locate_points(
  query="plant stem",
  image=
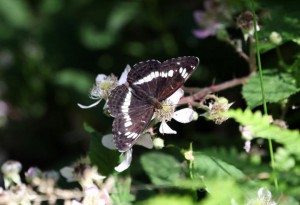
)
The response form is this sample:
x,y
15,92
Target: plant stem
x,y
263,92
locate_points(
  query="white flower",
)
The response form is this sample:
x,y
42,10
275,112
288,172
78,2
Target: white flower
x,y
143,140
93,196
165,114
247,135
103,87
82,172
11,170
126,162
264,196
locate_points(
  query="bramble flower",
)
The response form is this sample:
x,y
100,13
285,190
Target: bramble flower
x,y
246,23
216,108
264,197
11,170
126,161
93,195
33,176
82,172
209,20
103,87
168,112
247,135
143,140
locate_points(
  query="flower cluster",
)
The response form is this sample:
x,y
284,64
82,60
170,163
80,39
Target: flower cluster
x,y
210,20
216,108
42,187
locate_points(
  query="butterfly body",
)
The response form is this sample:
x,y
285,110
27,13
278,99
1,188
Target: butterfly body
x,y
149,83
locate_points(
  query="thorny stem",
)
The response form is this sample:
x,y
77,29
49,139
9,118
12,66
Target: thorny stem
x,y
199,93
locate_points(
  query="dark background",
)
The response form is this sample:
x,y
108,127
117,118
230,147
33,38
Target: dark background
x,y
52,50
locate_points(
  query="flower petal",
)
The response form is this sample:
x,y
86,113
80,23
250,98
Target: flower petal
x,y
175,97
89,106
145,140
123,77
247,146
126,162
184,115
203,33
107,141
165,129
100,78
68,173
199,16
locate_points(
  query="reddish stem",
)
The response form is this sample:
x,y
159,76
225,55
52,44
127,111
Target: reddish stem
x,y
199,93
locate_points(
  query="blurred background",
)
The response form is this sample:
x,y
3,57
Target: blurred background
x,y
52,50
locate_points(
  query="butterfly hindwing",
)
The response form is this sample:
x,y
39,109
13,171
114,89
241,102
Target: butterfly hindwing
x,y
132,115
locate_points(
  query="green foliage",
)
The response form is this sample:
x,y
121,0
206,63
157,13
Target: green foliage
x,y
104,158
164,171
208,166
278,86
168,199
77,80
15,13
121,194
260,126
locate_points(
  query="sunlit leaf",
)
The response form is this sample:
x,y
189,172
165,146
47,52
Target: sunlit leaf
x,y
278,86
162,169
260,126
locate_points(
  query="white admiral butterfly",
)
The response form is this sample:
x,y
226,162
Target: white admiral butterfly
x,y
148,84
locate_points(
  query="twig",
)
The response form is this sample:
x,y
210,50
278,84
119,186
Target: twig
x,y
199,93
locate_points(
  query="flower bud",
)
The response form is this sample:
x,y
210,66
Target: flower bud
x,y
158,143
275,38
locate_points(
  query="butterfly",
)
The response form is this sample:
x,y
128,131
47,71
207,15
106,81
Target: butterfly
x,y
148,84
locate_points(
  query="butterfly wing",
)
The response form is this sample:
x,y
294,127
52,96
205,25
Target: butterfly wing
x,y
132,116
173,74
143,77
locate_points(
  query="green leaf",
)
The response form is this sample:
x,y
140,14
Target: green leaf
x,y
162,169
121,194
259,125
287,25
223,191
168,199
16,13
278,86
104,158
72,78
208,166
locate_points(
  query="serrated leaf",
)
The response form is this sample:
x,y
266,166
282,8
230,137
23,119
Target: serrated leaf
x,y
208,166
105,159
162,169
259,125
287,25
278,86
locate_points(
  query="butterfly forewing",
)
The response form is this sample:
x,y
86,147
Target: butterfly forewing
x,y
174,73
143,77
